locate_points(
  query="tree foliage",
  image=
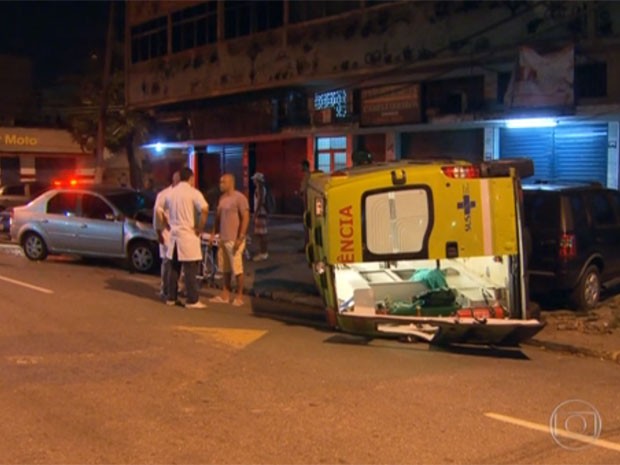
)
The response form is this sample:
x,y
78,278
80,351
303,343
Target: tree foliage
x,y
124,128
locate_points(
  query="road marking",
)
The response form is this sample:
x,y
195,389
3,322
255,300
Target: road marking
x,y
559,432
26,285
236,338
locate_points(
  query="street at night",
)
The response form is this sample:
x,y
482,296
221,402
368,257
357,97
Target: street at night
x,y
97,370
309,232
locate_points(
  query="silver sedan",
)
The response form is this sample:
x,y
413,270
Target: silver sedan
x,y
96,222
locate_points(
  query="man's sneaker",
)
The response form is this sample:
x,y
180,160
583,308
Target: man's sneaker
x,y
261,257
198,304
171,303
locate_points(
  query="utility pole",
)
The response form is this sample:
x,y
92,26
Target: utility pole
x,y
103,105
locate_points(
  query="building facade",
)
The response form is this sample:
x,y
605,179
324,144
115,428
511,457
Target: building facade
x,y
46,155
243,86
29,149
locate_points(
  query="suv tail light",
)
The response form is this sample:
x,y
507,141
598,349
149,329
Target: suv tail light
x,y
461,172
568,246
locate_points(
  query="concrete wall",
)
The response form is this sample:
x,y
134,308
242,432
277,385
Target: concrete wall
x,y
16,89
416,40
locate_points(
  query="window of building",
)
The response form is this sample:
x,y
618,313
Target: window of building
x,y
336,99
149,40
370,3
503,81
63,203
331,153
301,10
194,26
246,17
591,80
456,96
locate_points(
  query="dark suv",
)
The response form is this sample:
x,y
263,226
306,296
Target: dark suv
x,y
574,237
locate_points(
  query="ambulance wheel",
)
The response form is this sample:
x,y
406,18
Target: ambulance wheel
x,y
142,257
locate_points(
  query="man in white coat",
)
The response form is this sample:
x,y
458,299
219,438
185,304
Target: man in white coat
x,y
163,234
187,217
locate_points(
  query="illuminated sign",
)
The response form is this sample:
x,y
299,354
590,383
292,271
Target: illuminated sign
x,y
19,141
336,99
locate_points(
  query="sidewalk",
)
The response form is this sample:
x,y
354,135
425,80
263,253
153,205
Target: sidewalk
x,y
286,277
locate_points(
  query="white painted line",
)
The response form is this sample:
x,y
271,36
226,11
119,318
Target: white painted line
x,y
26,285
559,432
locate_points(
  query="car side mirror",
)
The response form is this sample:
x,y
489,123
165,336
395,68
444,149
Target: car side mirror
x,y
110,217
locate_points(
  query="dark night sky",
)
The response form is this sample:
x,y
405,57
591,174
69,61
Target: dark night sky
x,y
57,35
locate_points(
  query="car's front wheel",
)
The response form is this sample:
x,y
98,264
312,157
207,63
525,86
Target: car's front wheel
x,y
587,294
142,257
34,246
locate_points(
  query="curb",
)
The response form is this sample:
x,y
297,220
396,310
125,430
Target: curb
x,y
303,308
574,350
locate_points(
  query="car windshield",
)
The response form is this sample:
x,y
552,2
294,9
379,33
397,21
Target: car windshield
x,y
130,203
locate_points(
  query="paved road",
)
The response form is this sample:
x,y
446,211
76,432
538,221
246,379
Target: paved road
x,y
96,370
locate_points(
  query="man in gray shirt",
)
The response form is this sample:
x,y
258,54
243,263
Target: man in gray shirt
x,y
231,222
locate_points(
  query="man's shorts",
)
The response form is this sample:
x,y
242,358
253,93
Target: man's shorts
x,y
260,225
229,261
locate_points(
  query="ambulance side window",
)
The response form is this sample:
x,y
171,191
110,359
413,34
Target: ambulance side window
x,y
397,222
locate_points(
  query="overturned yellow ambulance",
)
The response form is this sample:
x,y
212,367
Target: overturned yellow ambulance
x,y
426,250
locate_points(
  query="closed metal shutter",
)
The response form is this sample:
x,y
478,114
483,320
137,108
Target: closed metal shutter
x,y
534,143
233,163
581,153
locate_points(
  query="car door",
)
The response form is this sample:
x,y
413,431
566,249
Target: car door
x,y
615,201
606,229
60,222
100,231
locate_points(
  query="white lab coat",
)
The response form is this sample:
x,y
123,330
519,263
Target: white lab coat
x,y
159,209
183,204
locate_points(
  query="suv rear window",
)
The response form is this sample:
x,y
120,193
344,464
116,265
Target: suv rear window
x,y
602,210
542,210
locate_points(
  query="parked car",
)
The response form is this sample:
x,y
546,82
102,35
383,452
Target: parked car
x,y
575,240
5,222
13,195
98,222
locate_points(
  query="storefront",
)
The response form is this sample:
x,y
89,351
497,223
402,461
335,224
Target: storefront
x,y
562,152
42,155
